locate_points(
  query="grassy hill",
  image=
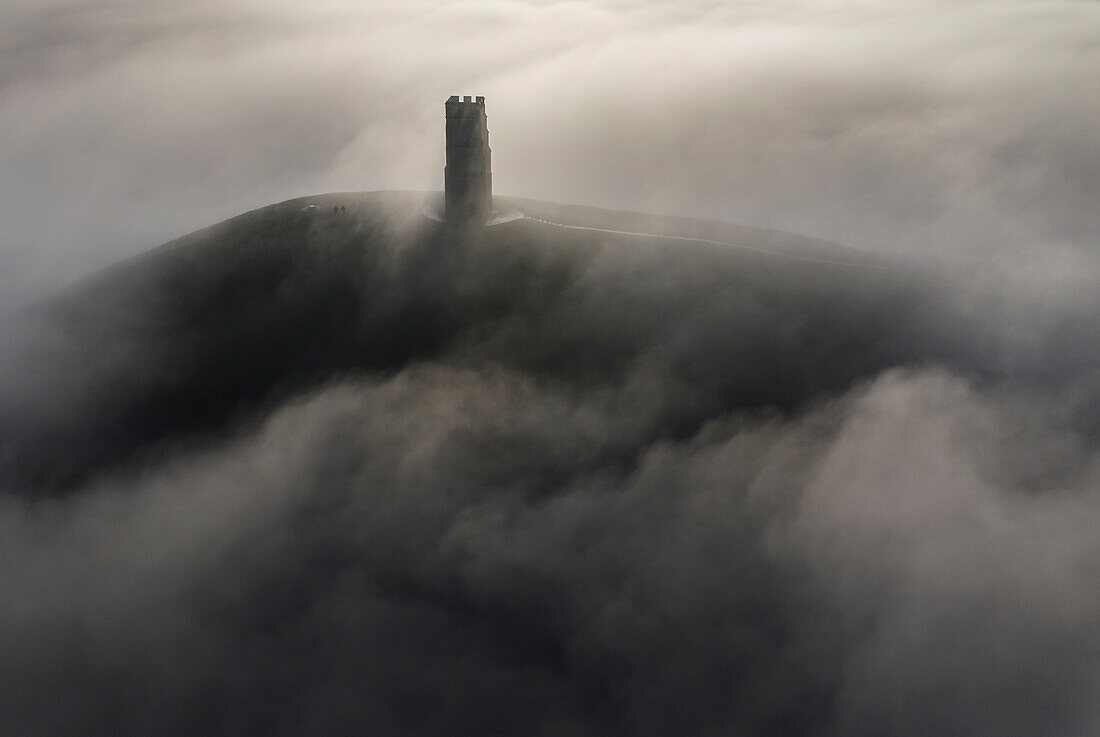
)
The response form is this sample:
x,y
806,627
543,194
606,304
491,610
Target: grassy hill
x,y
204,333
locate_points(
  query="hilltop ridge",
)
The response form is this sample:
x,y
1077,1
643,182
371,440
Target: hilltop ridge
x,y
204,332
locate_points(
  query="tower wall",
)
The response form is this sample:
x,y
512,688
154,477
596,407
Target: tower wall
x,y
469,174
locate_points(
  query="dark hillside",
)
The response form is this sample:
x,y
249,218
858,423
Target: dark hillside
x,y
205,331
317,472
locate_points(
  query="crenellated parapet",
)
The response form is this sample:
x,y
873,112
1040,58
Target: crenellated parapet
x,y
457,103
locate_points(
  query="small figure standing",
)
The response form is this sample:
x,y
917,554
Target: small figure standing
x,y
343,209
335,209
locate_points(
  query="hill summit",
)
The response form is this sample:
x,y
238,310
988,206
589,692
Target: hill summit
x,y
206,331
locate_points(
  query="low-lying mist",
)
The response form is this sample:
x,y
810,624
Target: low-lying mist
x,y
318,474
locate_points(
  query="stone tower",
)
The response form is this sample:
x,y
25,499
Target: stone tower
x,y
469,172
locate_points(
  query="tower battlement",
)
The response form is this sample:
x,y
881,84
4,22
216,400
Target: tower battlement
x,y
455,100
468,175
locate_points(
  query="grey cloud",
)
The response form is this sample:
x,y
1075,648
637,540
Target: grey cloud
x,y
295,477
385,553
536,483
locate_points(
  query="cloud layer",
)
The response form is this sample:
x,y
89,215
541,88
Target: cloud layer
x,y
324,474
454,550
321,476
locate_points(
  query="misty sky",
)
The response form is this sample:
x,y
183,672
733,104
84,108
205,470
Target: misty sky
x,y
969,130
320,473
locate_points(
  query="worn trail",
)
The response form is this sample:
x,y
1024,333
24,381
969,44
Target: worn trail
x,y
757,249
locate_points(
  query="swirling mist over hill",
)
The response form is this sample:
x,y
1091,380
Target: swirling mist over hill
x,y
316,473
